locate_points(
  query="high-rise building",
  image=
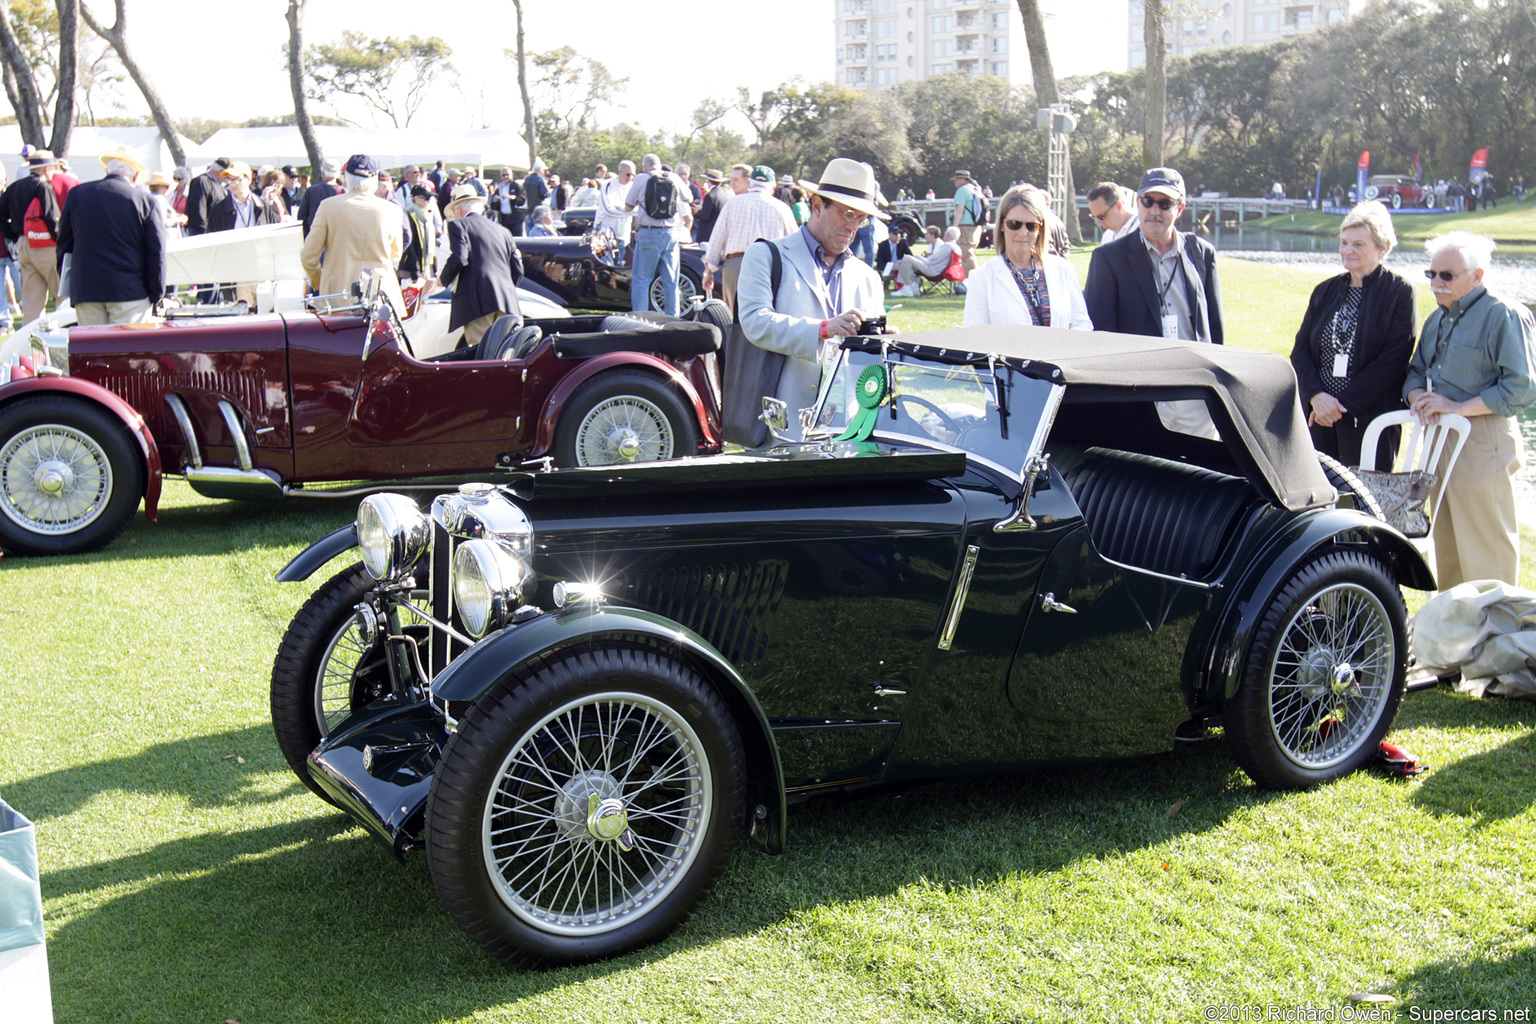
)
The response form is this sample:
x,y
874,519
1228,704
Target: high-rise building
x,y
881,42
1194,26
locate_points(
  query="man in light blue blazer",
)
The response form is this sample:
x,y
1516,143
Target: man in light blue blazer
x,y
824,293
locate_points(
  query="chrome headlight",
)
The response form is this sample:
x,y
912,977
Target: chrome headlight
x,y
393,534
490,581
480,510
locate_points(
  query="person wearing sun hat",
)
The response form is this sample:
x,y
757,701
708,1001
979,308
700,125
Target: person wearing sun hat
x,y
113,236
483,264
824,294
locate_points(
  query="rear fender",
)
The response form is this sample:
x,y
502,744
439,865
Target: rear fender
x,y
497,659
93,392
1343,528
549,416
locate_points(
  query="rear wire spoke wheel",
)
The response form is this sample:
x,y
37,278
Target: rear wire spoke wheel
x,y
584,811
1324,676
324,670
622,416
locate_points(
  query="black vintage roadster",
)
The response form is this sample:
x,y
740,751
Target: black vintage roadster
x,y
575,689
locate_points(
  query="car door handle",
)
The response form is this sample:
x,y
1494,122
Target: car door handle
x,y
1050,604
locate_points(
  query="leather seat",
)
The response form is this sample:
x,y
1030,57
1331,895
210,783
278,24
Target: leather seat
x,y
496,335
1168,517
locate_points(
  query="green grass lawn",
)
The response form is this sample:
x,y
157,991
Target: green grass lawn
x,y
1509,222
189,878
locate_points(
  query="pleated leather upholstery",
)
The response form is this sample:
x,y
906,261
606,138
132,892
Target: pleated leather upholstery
x,y
1148,512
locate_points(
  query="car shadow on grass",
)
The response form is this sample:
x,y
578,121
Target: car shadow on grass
x,y
1494,982
224,527
215,770
1488,787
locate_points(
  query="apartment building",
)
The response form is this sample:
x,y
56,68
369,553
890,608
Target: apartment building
x,y
881,42
1193,25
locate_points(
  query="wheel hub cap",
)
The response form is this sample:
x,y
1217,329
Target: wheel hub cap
x,y
1319,673
1343,679
53,477
627,444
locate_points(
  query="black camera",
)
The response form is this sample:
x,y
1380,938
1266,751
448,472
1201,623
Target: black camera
x,y
873,325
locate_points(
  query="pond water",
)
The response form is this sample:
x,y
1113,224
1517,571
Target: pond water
x,y
1513,273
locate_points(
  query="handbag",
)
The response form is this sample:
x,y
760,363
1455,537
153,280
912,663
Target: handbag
x,y
747,374
1401,497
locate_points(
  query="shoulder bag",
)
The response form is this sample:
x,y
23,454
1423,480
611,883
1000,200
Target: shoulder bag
x,y
748,373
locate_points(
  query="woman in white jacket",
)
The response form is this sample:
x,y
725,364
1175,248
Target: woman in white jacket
x,y
1024,284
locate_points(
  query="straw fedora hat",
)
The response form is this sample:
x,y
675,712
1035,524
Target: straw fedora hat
x,y
139,171
848,182
463,194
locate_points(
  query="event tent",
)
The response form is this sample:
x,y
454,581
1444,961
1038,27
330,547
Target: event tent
x,y
86,144
391,147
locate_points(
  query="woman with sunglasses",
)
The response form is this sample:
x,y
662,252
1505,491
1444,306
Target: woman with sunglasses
x,y
1351,353
1025,284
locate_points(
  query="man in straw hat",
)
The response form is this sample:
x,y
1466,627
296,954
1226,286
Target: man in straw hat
x,y
114,237
824,293
354,232
483,259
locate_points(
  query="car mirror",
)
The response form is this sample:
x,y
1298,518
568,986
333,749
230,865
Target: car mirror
x,y
776,414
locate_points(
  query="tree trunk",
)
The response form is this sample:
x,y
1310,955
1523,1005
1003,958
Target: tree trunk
x,y
20,86
117,35
1157,87
69,74
296,85
522,85
1047,95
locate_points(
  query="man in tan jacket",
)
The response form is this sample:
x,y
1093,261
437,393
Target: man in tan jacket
x,y
354,232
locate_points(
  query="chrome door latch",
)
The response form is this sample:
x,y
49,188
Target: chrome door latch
x,y
1050,604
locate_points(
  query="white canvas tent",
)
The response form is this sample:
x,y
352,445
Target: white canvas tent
x,y
391,147
87,144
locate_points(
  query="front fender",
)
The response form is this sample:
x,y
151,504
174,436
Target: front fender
x,y
91,391
1279,558
549,416
494,660
317,554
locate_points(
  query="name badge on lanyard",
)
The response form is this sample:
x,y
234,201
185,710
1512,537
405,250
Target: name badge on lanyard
x,y
1171,326
1341,365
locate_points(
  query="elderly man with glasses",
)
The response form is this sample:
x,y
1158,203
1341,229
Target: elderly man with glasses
x,y
1159,282
1475,357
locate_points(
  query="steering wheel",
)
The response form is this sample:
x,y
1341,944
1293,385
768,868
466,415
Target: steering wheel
x,y
956,429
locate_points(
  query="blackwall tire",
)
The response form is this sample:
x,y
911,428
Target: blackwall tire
x,y
585,809
71,476
323,670
623,416
1324,674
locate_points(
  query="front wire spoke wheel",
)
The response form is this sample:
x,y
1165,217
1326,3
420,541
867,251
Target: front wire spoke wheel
x,y
586,805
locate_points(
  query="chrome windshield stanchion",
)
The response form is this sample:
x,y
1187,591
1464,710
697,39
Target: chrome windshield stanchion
x,y
1021,519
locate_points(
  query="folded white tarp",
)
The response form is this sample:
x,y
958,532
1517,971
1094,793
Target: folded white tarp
x,y
25,997
1484,629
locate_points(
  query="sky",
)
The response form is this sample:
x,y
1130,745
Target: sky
x,y
223,77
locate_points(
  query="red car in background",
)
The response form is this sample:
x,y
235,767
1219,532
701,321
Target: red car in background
x,y
1398,190
330,401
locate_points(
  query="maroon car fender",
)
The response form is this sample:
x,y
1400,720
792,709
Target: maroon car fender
x,y
555,403
122,410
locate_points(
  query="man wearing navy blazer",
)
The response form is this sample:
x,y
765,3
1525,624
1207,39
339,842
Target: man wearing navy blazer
x,y
115,240
1159,282
824,293
483,259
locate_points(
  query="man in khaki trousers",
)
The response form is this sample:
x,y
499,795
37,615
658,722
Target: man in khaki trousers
x,y
38,227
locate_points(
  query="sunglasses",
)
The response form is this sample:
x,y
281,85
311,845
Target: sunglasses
x,y
1147,202
1445,275
1101,216
1015,225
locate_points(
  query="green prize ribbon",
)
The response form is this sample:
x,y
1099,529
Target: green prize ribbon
x,y
872,392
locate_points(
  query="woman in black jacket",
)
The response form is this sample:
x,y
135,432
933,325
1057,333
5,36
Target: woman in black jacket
x,y
1351,353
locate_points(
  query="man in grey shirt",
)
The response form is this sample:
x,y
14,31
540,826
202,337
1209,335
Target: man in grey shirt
x,y
656,234
1475,357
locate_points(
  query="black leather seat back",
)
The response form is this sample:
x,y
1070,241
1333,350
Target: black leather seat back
x,y
1168,517
496,335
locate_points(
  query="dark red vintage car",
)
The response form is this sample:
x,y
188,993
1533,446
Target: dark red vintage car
x,y
330,401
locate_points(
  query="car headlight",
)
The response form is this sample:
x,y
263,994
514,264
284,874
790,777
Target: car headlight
x,y
393,534
490,580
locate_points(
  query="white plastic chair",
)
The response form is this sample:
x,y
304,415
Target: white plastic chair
x,y
1421,448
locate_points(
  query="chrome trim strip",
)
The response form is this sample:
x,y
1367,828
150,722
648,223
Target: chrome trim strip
x,y
194,454
237,434
962,588
1157,575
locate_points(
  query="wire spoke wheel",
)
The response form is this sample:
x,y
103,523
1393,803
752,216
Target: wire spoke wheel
x,y
1332,672
597,813
56,479
626,428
